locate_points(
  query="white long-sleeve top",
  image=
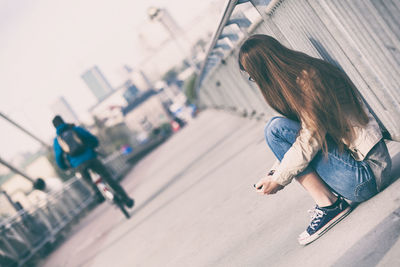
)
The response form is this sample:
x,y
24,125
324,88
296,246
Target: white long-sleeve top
x,y
303,150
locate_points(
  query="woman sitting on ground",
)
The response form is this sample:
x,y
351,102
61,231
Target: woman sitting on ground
x,y
327,140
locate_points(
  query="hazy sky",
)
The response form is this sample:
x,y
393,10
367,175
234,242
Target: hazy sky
x,y
47,44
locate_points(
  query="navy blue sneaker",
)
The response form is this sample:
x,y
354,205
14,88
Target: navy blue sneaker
x,y
323,219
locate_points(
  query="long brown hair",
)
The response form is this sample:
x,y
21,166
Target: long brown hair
x,y
302,88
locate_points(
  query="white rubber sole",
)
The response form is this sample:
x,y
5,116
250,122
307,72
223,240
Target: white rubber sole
x,y
305,238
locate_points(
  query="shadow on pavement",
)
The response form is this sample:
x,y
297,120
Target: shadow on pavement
x,y
372,247
395,167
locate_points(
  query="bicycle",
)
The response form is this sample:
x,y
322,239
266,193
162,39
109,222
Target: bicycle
x,y
109,194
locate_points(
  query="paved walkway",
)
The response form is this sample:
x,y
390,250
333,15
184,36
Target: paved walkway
x,y
196,207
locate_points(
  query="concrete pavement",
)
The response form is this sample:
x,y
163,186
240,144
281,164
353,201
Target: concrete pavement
x,y
195,206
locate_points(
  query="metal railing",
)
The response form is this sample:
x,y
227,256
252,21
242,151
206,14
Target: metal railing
x,y
28,231
362,37
117,164
25,233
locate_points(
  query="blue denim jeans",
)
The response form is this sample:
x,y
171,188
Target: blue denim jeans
x,y
344,175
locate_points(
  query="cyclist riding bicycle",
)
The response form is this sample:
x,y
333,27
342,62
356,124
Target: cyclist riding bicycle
x,y
74,147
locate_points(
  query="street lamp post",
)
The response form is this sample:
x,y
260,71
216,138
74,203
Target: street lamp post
x,y
14,169
25,131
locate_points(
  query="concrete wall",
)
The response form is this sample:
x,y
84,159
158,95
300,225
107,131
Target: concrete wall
x,y
360,36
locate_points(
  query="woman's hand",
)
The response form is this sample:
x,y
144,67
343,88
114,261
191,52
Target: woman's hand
x,y
267,187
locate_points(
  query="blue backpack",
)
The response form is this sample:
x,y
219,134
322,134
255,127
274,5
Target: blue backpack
x,y
71,143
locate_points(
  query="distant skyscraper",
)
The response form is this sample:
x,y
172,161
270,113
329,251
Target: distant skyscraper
x,y
62,108
97,83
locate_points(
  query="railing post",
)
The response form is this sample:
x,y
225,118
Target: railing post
x,y
265,8
9,247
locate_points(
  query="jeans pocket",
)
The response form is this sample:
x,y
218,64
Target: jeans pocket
x,y
366,190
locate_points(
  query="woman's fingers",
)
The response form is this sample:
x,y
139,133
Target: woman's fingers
x,y
258,185
266,187
261,186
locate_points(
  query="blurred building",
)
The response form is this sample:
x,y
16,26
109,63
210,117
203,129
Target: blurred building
x,y
61,107
146,113
136,77
131,91
109,108
97,83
